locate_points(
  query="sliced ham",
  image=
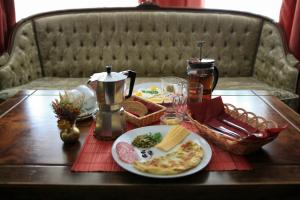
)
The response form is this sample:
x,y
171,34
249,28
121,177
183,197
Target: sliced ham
x,y
126,152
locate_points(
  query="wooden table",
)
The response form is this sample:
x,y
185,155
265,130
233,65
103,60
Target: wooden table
x,y
34,163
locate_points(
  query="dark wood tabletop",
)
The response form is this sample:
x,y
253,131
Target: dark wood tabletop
x,y
35,163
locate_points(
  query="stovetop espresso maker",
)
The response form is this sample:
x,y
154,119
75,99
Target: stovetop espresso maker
x,y
110,91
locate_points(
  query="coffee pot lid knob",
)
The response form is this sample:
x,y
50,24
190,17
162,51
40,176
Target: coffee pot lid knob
x,y
108,68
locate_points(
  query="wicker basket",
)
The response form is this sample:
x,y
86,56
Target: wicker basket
x,y
154,114
238,146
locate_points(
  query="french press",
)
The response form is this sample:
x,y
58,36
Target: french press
x,y
201,71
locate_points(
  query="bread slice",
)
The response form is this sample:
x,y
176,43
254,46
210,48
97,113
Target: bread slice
x,y
135,107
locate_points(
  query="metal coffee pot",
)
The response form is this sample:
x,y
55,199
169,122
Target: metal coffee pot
x,y
110,91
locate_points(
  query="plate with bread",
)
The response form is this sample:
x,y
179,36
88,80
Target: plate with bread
x,y
161,151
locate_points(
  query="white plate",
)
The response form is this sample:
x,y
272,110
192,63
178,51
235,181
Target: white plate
x,y
87,113
147,86
163,129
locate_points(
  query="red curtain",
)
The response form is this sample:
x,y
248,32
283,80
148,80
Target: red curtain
x,y
290,21
7,21
176,3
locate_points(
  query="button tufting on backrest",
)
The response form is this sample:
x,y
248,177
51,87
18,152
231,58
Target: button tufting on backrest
x,y
231,30
179,29
225,43
74,29
60,29
47,29
193,28
21,47
272,46
144,40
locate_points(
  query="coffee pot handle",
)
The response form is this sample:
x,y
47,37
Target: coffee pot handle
x,y
130,74
216,77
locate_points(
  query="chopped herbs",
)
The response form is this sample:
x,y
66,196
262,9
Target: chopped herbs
x,y
147,140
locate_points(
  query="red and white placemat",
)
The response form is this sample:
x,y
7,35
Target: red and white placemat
x,y
95,155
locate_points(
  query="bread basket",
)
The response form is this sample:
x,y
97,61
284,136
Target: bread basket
x,y
155,111
245,145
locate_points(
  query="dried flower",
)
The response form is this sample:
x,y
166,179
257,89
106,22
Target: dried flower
x,y
67,107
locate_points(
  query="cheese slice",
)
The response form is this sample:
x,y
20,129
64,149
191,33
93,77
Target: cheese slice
x,y
175,135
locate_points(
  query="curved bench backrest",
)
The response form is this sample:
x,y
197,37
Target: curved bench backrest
x,y
151,43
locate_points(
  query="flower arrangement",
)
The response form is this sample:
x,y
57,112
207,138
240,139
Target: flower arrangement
x,y
67,109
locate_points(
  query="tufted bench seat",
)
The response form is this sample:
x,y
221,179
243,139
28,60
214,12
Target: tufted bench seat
x,y
62,49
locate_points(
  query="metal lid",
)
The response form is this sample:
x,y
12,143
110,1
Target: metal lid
x,y
201,63
108,76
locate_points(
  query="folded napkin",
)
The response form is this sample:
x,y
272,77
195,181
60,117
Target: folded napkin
x,y
212,113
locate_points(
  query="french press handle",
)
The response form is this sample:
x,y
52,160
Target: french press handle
x,y
216,77
130,74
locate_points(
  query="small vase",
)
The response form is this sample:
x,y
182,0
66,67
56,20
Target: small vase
x,y
69,133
